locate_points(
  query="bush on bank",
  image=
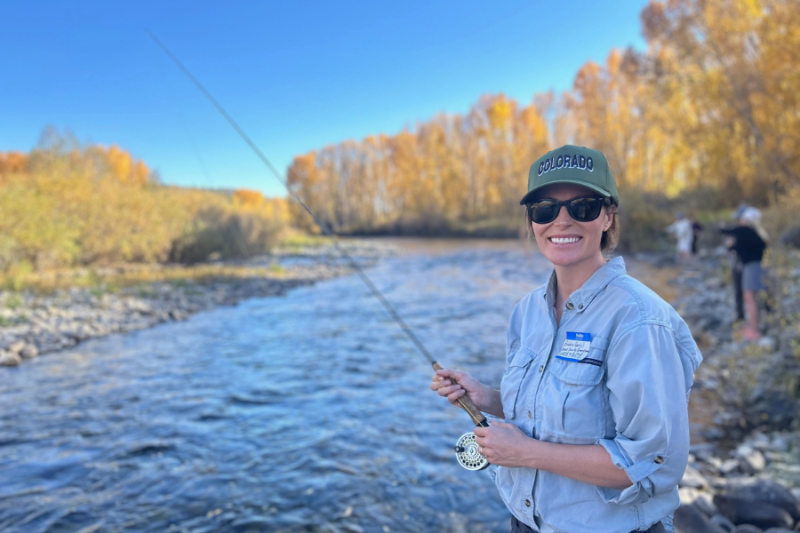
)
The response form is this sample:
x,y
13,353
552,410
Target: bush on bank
x,y
66,205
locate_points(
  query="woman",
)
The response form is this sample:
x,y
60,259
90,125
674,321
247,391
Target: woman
x,y
682,230
598,373
748,241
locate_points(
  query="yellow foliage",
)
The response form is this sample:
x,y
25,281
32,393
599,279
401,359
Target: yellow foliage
x,y
714,102
84,206
12,162
248,198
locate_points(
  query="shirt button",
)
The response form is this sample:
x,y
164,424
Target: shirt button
x,y
541,368
580,306
658,459
570,307
527,503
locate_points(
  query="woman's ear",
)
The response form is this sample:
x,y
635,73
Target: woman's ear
x,y
610,214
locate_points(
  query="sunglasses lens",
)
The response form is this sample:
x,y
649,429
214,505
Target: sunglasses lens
x,y
585,209
543,212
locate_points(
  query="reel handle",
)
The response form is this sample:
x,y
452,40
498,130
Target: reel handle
x,y
466,403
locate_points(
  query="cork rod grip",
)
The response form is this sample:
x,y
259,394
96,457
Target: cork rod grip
x,y
466,402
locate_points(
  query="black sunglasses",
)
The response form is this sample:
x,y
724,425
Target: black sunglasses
x,y
582,209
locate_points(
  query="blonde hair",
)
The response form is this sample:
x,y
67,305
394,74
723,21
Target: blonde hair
x,y
752,217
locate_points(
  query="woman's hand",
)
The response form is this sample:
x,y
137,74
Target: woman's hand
x,y
453,384
505,444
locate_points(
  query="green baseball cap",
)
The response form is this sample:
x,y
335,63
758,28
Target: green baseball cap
x,y
572,164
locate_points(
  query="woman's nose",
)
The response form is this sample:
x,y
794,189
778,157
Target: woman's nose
x,y
563,216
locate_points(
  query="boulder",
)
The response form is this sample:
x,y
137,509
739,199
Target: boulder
x,y
728,466
754,512
791,237
747,528
767,491
688,519
723,523
29,351
692,478
705,503
16,347
9,359
753,462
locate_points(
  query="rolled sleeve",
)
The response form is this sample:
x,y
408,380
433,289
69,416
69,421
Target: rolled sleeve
x,y
647,394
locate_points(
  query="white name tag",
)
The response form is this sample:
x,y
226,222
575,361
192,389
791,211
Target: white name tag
x,y
575,347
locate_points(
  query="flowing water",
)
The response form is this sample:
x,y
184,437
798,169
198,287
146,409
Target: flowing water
x,y
308,412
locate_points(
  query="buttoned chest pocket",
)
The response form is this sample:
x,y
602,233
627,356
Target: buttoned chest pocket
x,y
574,401
511,389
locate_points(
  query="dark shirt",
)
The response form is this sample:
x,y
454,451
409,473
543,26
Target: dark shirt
x,y
749,246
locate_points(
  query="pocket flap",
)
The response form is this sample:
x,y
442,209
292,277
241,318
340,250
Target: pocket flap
x,y
522,357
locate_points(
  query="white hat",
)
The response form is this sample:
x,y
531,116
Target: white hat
x,y
751,214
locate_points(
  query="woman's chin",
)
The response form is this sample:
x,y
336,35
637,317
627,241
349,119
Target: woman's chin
x,y
565,257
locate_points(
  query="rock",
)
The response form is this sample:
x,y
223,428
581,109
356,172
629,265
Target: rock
x,y
688,495
759,441
29,351
728,466
779,443
769,492
753,462
9,359
16,347
754,512
688,519
747,528
692,478
767,343
702,451
705,503
722,523
790,237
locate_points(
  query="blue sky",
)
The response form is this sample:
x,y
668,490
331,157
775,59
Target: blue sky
x,y
296,75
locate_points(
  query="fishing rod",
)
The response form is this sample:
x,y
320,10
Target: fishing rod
x,y
466,447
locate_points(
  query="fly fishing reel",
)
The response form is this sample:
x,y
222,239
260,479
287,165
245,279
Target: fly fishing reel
x,y
467,453
467,449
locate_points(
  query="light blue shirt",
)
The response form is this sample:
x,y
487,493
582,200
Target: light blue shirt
x,y
616,372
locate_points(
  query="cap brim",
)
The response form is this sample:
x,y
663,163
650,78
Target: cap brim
x,y
527,198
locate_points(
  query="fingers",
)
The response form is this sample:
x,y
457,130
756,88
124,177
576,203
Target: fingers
x,y
448,373
447,388
481,432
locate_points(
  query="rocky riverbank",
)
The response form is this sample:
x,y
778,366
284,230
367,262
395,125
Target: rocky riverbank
x,y
745,477
34,323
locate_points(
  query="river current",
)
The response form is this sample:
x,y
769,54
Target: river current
x,y
307,412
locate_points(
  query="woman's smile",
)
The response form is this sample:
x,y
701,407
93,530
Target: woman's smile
x,y
564,240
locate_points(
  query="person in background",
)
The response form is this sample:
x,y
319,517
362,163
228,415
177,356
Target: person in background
x,y
736,267
748,240
697,228
681,229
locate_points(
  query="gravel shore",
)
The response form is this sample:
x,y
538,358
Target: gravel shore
x,y
32,324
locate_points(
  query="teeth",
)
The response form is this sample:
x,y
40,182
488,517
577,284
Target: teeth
x,y
567,240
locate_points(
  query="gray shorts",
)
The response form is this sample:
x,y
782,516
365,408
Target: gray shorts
x,y
753,277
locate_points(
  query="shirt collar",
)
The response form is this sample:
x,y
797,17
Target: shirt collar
x,y
584,296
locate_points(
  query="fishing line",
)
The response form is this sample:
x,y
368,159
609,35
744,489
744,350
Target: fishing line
x,y
325,230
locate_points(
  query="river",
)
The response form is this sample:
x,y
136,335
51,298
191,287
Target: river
x,y
308,412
